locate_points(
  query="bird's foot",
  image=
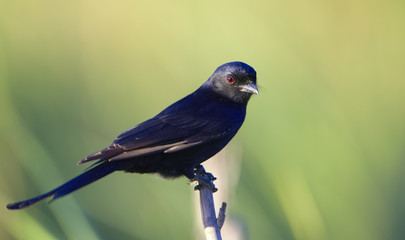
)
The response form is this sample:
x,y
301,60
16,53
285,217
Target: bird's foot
x,y
200,171
204,179
204,182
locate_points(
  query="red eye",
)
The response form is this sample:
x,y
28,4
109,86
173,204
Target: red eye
x,y
230,79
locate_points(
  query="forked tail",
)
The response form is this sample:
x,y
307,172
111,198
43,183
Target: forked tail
x,y
82,180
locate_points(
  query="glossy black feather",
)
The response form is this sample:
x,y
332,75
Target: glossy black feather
x,y
80,181
179,138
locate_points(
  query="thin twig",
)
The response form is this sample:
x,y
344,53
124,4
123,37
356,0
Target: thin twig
x,y
212,226
221,215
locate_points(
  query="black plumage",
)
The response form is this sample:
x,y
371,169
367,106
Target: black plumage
x,y
177,140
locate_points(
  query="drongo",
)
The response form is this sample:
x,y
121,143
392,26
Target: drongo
x,y
178,139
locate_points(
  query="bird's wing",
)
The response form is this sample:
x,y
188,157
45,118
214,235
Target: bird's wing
x,y
164,133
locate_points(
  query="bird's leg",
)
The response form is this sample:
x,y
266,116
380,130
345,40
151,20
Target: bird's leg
x,y
200,170
204,178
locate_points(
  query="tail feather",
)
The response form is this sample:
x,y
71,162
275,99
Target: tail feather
x,y
80,181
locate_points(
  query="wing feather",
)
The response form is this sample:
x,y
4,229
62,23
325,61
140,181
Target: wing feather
x,y
143,151
183,125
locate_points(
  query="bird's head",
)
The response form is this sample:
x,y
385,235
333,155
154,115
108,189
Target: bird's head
x,y
235,81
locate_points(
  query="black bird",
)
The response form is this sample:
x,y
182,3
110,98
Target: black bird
x,y
177,140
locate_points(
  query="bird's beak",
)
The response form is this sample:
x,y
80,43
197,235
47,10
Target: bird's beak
x,y
249,88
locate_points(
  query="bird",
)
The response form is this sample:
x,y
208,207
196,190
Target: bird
x,y
178,139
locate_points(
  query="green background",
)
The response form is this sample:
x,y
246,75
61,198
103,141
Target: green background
x,y
320,156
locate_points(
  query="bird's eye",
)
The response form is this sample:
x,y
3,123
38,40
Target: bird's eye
x,y
230,79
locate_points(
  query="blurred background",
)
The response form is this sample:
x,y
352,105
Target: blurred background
x,y
321,154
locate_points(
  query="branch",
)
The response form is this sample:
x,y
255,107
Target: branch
x,y
212,225
221,215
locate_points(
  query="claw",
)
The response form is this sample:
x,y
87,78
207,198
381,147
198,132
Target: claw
x,y
204,179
